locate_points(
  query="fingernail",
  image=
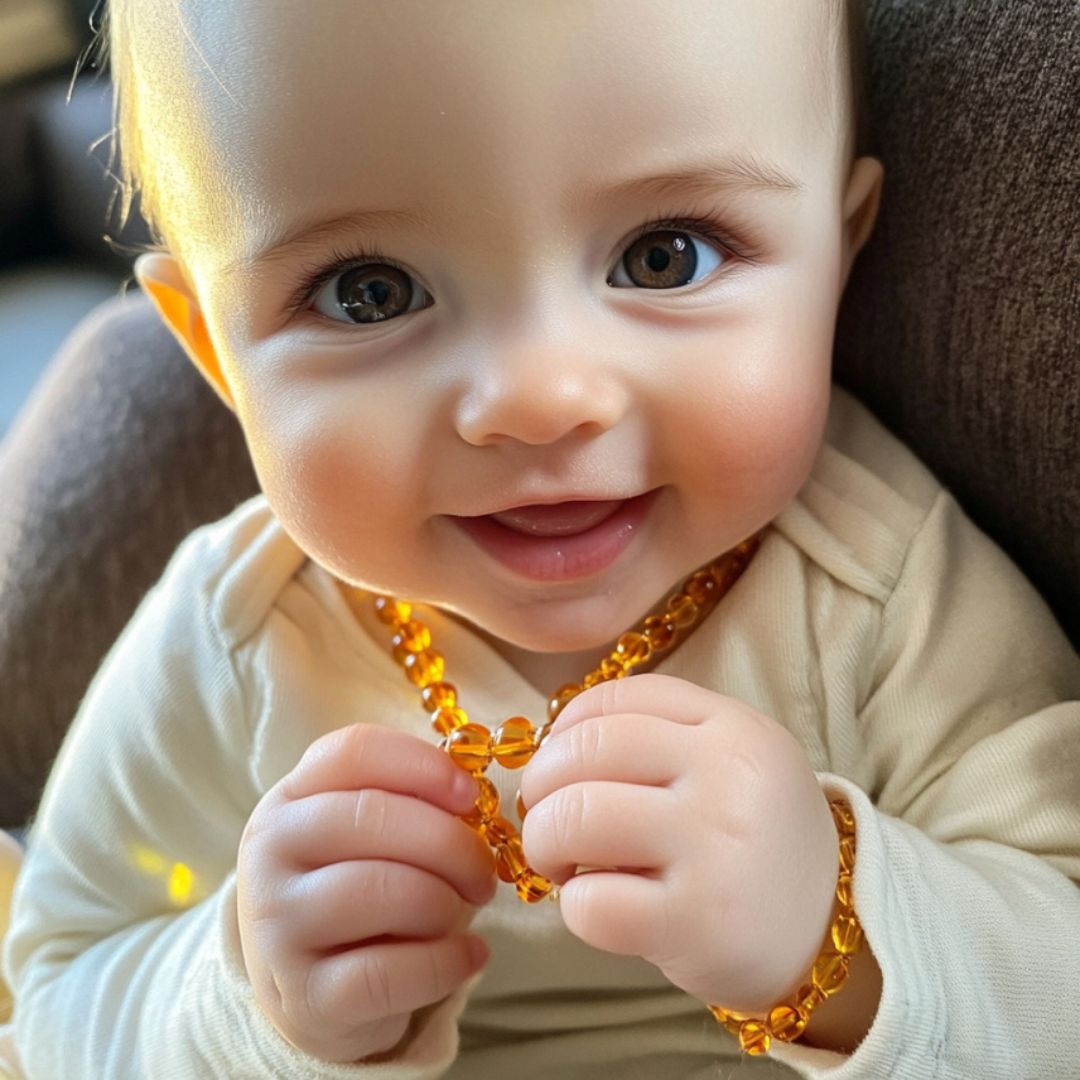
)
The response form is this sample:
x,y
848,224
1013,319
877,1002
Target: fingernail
x,y
464,787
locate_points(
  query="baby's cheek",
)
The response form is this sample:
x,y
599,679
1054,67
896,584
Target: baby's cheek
x,y
792,423
324,467
752,437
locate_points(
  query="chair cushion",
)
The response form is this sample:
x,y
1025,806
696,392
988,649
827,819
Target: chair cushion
x,y
122,450
961,323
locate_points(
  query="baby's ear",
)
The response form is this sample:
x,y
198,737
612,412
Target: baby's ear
x,y
160,276
862,197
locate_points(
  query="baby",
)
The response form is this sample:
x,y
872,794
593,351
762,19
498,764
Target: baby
x,y
526,311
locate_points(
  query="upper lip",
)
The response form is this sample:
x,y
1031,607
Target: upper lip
x,y
552,500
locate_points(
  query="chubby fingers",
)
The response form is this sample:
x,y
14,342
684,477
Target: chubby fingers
x,y
630,749
339,826
675,699
369,756
602,824
619,913
356,900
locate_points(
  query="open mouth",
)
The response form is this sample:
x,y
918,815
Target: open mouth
x,y
557,519
561,541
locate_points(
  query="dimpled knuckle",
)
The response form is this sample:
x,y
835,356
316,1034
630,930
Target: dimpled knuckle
x,y
354,740
370,812
379,893
586,740
609,696
569,818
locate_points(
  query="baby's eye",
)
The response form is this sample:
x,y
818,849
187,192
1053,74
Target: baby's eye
x,y
665,258
369,293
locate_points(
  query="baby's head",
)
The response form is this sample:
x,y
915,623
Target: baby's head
x,y
443,259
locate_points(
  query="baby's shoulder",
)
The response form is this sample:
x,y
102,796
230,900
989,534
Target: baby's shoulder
x,y
235,568
862,505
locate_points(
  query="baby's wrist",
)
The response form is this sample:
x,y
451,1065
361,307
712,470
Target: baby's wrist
x,y
787,1019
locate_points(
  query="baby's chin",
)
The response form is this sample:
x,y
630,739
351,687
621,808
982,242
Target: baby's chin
x,y
545,628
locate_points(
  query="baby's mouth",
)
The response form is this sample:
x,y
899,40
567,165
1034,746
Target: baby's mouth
x,y
556,519
560,541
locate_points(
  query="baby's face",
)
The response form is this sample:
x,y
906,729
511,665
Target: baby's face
x,y
527,311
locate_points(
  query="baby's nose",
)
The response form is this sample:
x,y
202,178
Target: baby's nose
x,y
538,395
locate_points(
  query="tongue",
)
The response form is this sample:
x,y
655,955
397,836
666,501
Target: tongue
x,y
560,519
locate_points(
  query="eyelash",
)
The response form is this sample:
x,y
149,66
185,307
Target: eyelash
x,y
705,225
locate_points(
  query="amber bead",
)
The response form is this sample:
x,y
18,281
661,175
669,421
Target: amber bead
x,y
847,854
519,806
701,587
498,831
513,744
725,1018
392,611
486,805
424,667
561,698
786,1023
611,669
754,1037
659,632
846,934
844,892
633,648
474,818
748,546
411,636
510,861
470,747
592,679
808,998
532,887
439,695
447,720
488,799
681,609
844,818
830,972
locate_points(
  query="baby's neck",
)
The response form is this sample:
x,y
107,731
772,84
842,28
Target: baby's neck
x,y
546,672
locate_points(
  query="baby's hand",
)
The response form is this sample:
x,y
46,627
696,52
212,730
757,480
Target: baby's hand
x,y
355,884
720,837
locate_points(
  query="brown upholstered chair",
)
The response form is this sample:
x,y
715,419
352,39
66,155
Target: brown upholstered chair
x,y
960,330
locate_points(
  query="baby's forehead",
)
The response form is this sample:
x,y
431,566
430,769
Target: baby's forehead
x,y
257,107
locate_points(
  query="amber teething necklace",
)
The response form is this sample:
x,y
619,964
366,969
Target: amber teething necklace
x,y
473,747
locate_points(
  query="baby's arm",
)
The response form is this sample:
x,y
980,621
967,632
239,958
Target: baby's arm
x,y
124,952
969,841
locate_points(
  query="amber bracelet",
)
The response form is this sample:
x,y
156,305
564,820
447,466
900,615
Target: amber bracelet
x,y
787,1021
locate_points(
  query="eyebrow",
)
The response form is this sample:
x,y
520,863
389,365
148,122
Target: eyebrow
x,y
739,173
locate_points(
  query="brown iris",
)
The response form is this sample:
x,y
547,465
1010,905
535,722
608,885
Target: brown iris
x,y
374,292
661,260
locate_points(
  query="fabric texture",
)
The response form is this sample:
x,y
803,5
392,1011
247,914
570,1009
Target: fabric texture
x,y
923,675
959,330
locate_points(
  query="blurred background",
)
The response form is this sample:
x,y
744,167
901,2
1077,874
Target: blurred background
x,y
55,192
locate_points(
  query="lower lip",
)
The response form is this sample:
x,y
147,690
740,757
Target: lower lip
x,y
562,558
